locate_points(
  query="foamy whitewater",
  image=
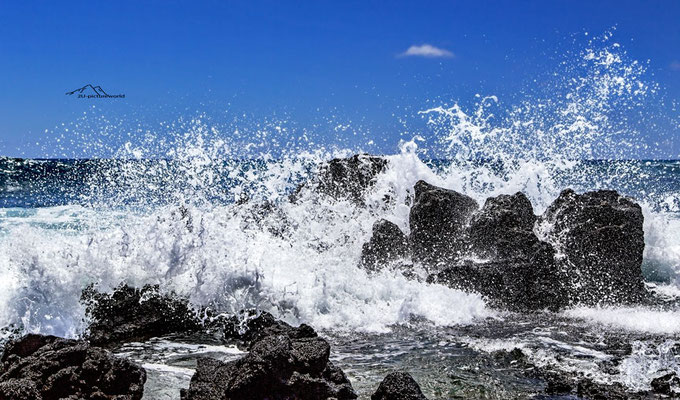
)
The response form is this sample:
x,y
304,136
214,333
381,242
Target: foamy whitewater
x,y
170,212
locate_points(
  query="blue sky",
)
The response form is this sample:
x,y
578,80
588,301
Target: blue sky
x,y
314,63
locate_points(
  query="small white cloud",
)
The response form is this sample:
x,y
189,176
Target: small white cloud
x,y
675,65
426,50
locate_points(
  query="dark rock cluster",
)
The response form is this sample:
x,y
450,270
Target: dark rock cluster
x,y
38,367
590,253
132,314
290,364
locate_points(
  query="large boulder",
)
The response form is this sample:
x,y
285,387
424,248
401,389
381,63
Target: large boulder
x,y
133,314
600,236
279,366
526,283
388,243
507,263
37,367
437,220
503,228
398,386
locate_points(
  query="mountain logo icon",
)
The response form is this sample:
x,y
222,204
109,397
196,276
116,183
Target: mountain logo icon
x,y
89,91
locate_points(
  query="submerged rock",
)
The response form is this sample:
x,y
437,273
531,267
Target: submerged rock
x,y
37,367
295,365
437,220
601,237
398,386
130,314
387,244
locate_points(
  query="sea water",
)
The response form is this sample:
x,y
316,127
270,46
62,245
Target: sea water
x,y
188,217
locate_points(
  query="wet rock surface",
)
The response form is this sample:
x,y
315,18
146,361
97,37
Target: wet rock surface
x,y
284,365
251,326
387,244
437,220
600,233
562,384
503,228
590,250
516,270
345,178
398,386
133,314
668,385
38,367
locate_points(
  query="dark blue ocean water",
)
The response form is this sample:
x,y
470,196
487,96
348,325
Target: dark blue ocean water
x,y
30,183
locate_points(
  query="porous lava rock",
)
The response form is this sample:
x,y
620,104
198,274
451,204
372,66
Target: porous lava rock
x,y
39,367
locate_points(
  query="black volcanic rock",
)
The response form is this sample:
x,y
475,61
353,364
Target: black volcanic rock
x,y
130,314
251,326
350,177
388,243
601,235
522,284
668,385
437,220
519,270
594,255
279,366
398,386
503,228
37,367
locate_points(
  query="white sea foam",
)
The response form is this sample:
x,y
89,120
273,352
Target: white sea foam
x,y
216,259
636,319
648,361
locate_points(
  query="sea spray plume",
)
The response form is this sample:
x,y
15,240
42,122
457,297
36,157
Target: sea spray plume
x,y
582,111
168,222
131,227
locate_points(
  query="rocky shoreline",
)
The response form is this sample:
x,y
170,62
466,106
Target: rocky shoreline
x,y
585,249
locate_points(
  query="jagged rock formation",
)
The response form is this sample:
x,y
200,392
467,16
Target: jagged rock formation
x,y
398,386
37,367
129,314
388,243
519,270
600,235
590,250
286,364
